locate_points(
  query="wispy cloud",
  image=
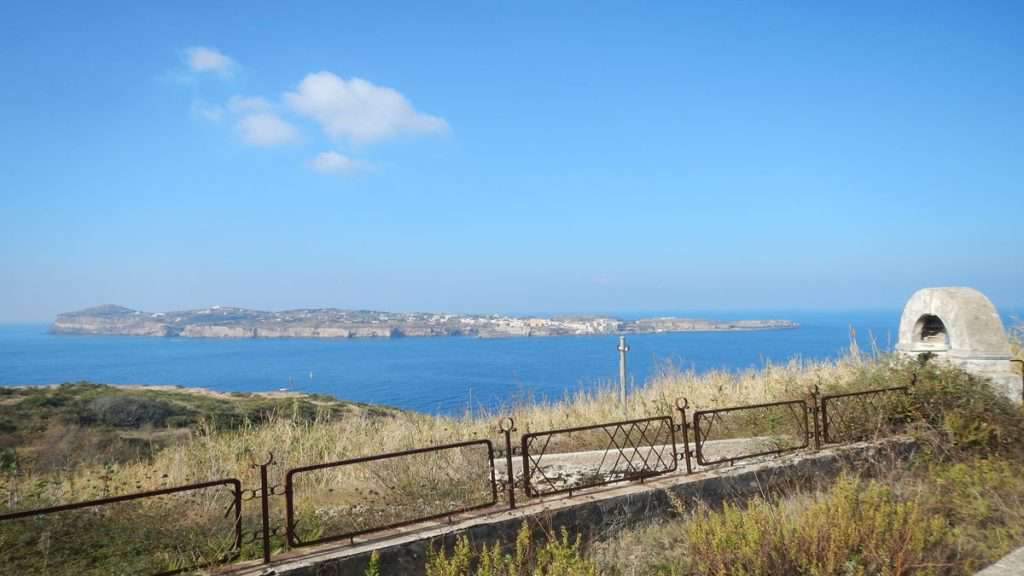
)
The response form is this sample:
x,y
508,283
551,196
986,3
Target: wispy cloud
x,y
241,104
204,59
332,162
207,111
358,109
266,129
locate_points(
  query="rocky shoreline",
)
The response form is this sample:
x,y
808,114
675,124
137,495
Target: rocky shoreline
x,y
228,322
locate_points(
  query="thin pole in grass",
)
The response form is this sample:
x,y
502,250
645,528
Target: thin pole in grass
x,y
623,348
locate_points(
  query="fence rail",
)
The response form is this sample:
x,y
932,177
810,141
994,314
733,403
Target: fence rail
x,y
104,503
601,454
394,483
743,432
340,500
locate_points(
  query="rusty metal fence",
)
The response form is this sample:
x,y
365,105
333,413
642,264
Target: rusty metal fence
x,y
862,415
144,513
727,435
357,496
342,500
571,459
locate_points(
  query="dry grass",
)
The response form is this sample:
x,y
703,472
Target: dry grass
x,y
940,519
958,506
354,498
214,454
138,537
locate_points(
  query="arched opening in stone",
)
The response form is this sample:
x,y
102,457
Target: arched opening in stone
x,y
931,330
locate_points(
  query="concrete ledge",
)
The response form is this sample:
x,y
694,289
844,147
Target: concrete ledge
x,y
1010,565
597,512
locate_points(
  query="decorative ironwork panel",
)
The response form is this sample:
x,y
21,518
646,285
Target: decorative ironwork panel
x,y
862,415
559,461
344,499
731,434
163,532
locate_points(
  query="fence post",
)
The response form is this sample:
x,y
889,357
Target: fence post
x,y
815,394
684,427
508,426
265,505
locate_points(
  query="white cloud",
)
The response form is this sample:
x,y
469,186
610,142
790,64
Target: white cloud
x,y
358,109
242,104
334,163
203,59
266,129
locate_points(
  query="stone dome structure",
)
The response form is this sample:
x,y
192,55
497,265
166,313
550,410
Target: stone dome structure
x,y
961,326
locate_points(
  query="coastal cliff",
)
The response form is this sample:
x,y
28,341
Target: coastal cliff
x,y
228,322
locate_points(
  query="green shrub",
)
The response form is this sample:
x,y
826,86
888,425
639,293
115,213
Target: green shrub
x,y
958,414
856,527
952,412
132,411
983,502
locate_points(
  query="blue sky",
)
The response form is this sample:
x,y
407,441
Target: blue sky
x,y
509,158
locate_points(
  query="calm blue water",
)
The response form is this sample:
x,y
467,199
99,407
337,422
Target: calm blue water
x,y
429,374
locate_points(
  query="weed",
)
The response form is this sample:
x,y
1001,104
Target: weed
x,y
373,567
558,556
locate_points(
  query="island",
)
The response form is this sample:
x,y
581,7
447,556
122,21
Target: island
x,y
229,322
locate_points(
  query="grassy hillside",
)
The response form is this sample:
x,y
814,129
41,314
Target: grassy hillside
x,y
325,435
206,437
75,425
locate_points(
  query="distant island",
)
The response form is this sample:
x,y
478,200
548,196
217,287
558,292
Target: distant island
x,y
228,322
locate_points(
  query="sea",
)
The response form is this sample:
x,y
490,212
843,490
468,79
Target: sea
x,y
446,375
